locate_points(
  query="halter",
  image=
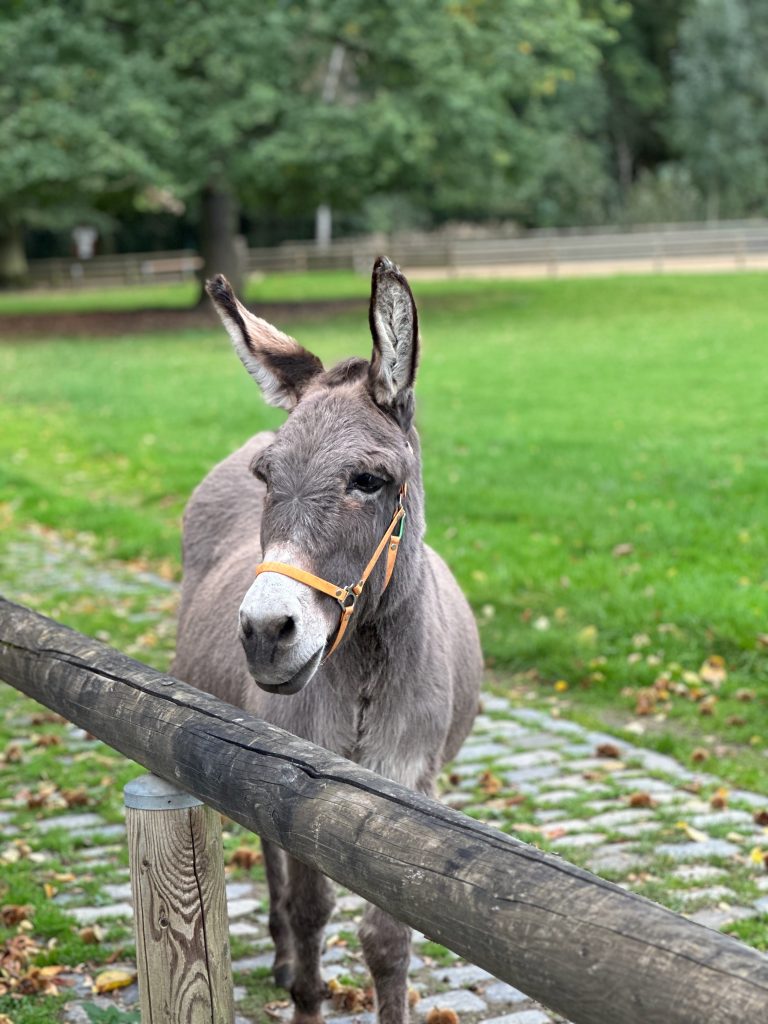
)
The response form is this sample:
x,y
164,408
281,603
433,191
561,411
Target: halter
x,y
347,596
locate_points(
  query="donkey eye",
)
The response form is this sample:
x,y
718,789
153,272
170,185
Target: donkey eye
x,y
367,483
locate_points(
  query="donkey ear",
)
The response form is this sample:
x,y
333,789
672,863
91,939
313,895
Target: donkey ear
x,y
395,329
278,364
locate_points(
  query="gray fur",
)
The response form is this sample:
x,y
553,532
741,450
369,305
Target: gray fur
x,y
400,693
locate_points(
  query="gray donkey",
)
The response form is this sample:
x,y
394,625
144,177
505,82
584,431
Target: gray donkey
x,y
319,500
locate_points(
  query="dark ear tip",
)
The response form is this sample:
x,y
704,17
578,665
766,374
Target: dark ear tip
x,y
384,265
219,289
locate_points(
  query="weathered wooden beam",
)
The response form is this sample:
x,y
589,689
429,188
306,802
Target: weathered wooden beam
x,y
574,941
179,905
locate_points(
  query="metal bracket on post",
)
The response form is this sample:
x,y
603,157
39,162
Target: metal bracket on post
x,y
180,905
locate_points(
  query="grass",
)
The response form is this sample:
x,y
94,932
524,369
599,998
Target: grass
x,y
595,457
284,287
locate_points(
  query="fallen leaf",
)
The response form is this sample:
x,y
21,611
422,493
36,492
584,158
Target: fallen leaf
x,y
246,857
440,1015
608,750
489,783
108,981
707,706
274,1008
713,671
47,739
622,550
47,718
413,997
349,998
92,934
719,799
760,818
700,754
588,635
14,913
641,799
561,686
693,833
76,797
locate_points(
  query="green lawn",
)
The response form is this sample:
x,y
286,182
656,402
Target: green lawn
x,y
595,461
287,287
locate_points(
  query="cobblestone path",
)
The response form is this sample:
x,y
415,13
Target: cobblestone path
x,y
629,814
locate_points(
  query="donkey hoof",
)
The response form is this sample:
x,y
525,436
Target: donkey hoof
x,y
283,975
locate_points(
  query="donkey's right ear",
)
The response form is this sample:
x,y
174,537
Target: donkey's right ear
x,y
278,364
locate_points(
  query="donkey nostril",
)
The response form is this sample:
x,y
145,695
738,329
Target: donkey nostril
x,y
287,629
246,626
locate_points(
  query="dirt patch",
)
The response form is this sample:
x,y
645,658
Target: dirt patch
x,y
111,323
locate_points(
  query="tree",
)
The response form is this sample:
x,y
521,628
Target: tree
x,y
80,122
720,111
328,105
231,103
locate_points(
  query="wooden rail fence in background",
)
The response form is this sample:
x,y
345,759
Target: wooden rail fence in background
x,y
579,944
657,247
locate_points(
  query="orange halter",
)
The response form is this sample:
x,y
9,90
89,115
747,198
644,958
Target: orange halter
x,y
347,596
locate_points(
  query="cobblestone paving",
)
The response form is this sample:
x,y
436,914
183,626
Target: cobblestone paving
x,y
629,814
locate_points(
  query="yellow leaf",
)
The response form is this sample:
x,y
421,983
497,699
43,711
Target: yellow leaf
x,y
692,833
713,671
588,635
561,686
107,981
757,855
50,890
52,971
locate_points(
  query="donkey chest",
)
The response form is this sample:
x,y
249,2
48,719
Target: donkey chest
x,y
389,741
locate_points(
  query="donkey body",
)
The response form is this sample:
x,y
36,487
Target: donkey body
x,y
400,693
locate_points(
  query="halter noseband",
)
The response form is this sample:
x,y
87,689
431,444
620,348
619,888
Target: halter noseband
x,y
347,596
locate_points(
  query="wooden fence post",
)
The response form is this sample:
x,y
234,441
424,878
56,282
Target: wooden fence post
x,y
180,905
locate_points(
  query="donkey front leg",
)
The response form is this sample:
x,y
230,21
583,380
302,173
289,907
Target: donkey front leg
x,y
387,948
310,904
279,924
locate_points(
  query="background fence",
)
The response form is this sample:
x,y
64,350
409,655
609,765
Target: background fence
x,y
657,247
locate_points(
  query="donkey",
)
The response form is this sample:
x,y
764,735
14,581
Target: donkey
x,y
328,492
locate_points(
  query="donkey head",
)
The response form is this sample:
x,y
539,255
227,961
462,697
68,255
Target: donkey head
x,y
333,476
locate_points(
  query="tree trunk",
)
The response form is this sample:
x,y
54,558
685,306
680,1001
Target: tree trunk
x,y
13,259
220,247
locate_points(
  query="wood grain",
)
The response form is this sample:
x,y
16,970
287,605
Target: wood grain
x,y
180,916
579,944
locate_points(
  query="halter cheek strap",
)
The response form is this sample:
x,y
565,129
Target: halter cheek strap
x,y
347,596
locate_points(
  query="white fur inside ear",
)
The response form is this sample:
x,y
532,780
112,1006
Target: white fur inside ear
x,y
394,333
273,391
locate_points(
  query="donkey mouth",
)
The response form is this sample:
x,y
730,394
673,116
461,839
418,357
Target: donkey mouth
x,y
297,681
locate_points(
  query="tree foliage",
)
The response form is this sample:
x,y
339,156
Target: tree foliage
x,y
720,112
548,111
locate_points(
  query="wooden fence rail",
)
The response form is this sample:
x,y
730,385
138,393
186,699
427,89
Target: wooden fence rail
x,y
728,244
579,944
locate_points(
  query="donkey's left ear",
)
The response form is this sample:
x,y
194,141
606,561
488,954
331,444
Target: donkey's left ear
x,y
395,329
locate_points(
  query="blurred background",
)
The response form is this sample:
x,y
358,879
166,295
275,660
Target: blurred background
x,y
199,132
578,192
575,189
